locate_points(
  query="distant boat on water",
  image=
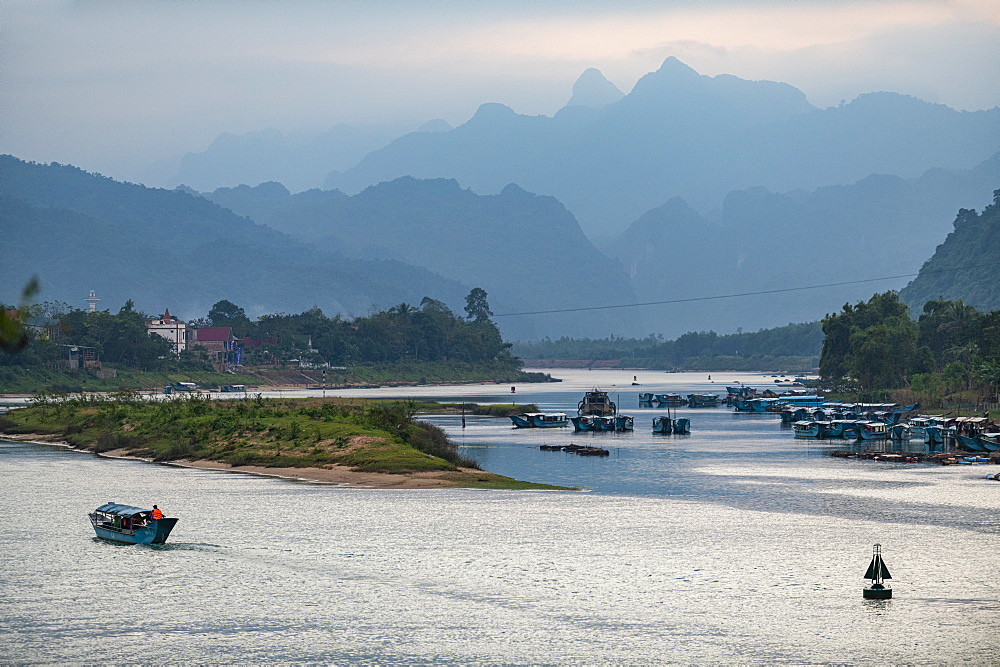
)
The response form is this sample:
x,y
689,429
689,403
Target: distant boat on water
x,y
130,525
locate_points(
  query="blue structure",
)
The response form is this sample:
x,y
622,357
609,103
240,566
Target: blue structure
x,y
130,525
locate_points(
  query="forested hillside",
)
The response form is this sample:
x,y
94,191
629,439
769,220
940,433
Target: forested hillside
x,y
80,231
525,250
967,265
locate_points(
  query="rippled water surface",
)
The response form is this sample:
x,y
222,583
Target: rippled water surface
x,y
734,544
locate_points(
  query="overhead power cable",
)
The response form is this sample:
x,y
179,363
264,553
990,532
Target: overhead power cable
x,y
732,296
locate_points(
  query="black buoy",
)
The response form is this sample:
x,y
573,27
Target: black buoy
x,y
877,573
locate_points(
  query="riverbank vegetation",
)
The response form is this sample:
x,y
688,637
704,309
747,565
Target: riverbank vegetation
x,y
363,435
948,357
402,345
791,347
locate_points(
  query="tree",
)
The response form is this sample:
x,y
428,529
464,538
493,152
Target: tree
x,y
13,335
476,306
225,313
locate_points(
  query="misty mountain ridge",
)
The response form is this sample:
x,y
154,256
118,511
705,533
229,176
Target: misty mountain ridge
x,y
527,251
879,226
593,90
79,231
680,133
299,160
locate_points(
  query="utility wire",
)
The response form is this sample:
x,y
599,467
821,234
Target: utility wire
x,y
731,296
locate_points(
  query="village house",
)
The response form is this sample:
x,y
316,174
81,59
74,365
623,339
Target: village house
x,y
171,328
220,343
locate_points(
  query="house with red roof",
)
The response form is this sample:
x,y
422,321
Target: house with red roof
x,y
221,344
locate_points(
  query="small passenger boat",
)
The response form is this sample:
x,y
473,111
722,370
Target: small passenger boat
x,y
234,389
624,423
990,441
645,398
131,525
682,426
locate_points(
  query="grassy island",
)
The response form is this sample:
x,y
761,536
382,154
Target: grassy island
x,y
356,442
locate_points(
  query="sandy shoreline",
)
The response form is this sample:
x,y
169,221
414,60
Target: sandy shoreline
x,y
333,475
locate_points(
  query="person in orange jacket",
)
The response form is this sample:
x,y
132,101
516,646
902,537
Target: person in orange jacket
x,y
156,513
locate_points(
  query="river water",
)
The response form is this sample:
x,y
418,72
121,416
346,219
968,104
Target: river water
x,y
734,544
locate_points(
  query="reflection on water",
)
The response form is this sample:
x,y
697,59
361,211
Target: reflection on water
x,y
736,543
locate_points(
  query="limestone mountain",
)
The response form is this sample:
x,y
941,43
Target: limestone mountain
x,y
678,133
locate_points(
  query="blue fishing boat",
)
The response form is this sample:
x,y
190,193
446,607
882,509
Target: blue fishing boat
x,y
841,428
934,434
671,400
624,423
792,414
522,420
131,525
593,423
682,426
180,386
549,419
967,443
645,398
873,431
990,441
899,432
810,429
703,400
540,420
234,389
663,425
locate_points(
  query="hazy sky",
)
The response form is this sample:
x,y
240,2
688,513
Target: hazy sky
x,y
113,86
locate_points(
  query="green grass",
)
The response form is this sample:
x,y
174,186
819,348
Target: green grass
x,y
367,435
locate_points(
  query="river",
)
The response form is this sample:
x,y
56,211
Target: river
x,y
734,544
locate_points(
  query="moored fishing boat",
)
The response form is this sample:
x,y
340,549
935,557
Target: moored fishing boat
x,y
873,431
234,389
646,398
990,441
967,443
663,425
810,429
131,525
671,400
703,400
624,423
596,402
899,432
682,426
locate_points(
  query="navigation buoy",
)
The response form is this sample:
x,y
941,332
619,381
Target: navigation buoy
x,y
877,572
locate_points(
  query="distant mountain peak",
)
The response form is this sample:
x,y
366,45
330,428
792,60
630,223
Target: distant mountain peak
x,y
674,66
593,90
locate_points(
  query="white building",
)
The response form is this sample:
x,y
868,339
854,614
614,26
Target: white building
x,y
170,328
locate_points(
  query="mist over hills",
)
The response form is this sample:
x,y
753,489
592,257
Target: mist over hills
x,y
679,133
299,161
162,248
527,251
879,226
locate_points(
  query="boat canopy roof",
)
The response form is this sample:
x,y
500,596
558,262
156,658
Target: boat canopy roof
x,y
121,510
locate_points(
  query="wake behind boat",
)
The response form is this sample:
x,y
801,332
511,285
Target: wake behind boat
x,y
131,525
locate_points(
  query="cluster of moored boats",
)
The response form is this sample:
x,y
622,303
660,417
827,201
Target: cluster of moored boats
x,y
598,413
676,400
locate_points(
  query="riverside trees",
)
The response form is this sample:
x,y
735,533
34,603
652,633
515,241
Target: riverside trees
x,y
876,345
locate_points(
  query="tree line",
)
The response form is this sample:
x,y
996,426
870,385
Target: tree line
x,y
428,332
877,345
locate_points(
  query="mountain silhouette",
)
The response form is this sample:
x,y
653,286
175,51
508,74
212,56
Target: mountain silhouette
x,y
678,133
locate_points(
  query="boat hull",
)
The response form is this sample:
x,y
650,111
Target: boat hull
x,y
156,532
